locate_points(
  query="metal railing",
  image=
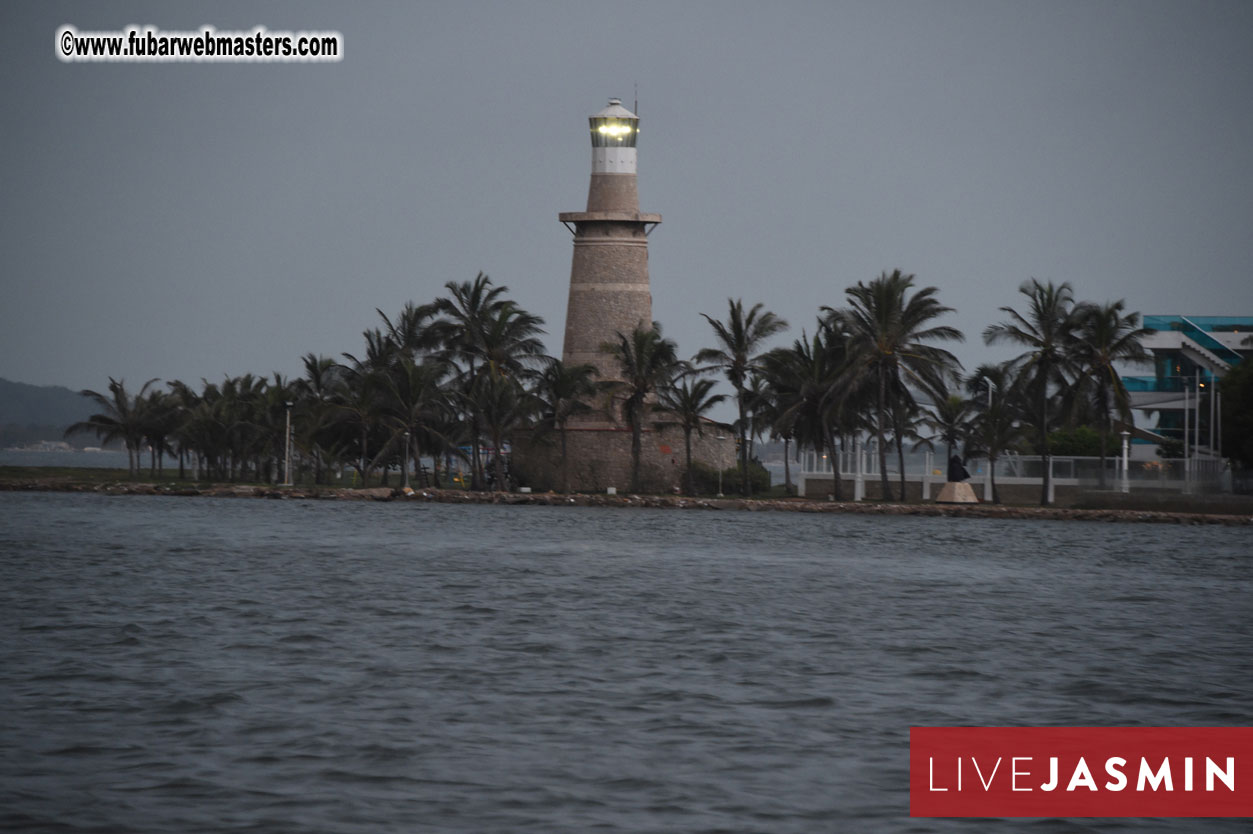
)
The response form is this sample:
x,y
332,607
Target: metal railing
x,y
861,464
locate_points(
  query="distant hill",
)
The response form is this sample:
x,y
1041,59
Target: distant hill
x,y
23,405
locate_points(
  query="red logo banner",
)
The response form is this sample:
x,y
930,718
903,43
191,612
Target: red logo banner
x,y
1081,771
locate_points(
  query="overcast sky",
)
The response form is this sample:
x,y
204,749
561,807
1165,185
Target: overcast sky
x,y
188,221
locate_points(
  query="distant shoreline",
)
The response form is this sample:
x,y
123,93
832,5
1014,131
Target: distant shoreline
x,y
800,505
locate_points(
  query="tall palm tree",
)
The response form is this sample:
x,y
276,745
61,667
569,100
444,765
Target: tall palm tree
x,y
121,417
887,329
648,362
739,342
1047,331
1107,336
563,391
689,401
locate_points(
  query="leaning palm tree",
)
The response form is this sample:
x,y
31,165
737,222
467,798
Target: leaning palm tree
x,y
739,342
1047,331
121,417
563,392
887,329
1107,336
689,401
648,362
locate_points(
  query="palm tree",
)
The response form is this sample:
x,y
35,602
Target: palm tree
x,y
949,419
887,329
1107,336
811,401
739,341
1048,332
994,428
648,362
563,391
121,417
504,406
415,333
315,404
689,401
486,332
411,407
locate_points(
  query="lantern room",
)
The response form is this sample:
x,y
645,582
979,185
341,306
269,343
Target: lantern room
x,y
614,130
614,127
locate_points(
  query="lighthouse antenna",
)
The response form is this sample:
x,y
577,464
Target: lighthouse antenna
x,y
637,98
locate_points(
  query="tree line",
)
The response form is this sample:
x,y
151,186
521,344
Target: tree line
x,y
467,372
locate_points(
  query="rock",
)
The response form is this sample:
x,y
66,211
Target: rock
x,y
957,492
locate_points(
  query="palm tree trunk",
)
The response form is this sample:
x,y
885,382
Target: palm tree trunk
x,y
787,469
883,451
837,491
1102,404
746,489
498,442
1044,438
900,460
996,496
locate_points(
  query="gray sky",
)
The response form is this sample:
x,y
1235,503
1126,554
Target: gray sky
x,y
190,220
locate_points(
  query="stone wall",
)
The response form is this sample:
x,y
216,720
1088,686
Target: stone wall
x,y
1019,494
599,457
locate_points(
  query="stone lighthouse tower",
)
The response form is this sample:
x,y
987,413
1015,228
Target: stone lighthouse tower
x,y
609,290
609,294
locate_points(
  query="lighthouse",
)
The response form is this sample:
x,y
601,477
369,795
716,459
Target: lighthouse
x,y
609,291
609,294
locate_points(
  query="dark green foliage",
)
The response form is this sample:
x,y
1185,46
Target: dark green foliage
x,y
1081,441
705,479
1237,398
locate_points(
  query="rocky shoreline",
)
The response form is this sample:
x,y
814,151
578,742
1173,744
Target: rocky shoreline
x,y
800,505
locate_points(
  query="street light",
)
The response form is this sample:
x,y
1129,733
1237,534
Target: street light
x,y
1126,475
404,459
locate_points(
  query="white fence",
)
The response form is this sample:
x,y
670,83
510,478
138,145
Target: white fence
x,y
860,464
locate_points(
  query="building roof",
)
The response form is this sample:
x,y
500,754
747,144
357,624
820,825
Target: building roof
x,y
615,110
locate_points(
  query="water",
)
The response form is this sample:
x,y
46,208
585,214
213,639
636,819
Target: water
x,y
104,459
176,664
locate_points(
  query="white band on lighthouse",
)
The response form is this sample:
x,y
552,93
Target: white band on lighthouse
x,y
613,160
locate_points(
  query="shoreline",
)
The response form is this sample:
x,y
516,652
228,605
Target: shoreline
x,y
801,505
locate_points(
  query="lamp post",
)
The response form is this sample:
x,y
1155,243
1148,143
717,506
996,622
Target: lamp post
x,y
287,449
1126,474
404,459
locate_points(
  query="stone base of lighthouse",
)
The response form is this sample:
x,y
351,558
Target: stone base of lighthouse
x,y
598,456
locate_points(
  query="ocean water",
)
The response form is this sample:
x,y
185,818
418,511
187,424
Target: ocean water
x,y
175,664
